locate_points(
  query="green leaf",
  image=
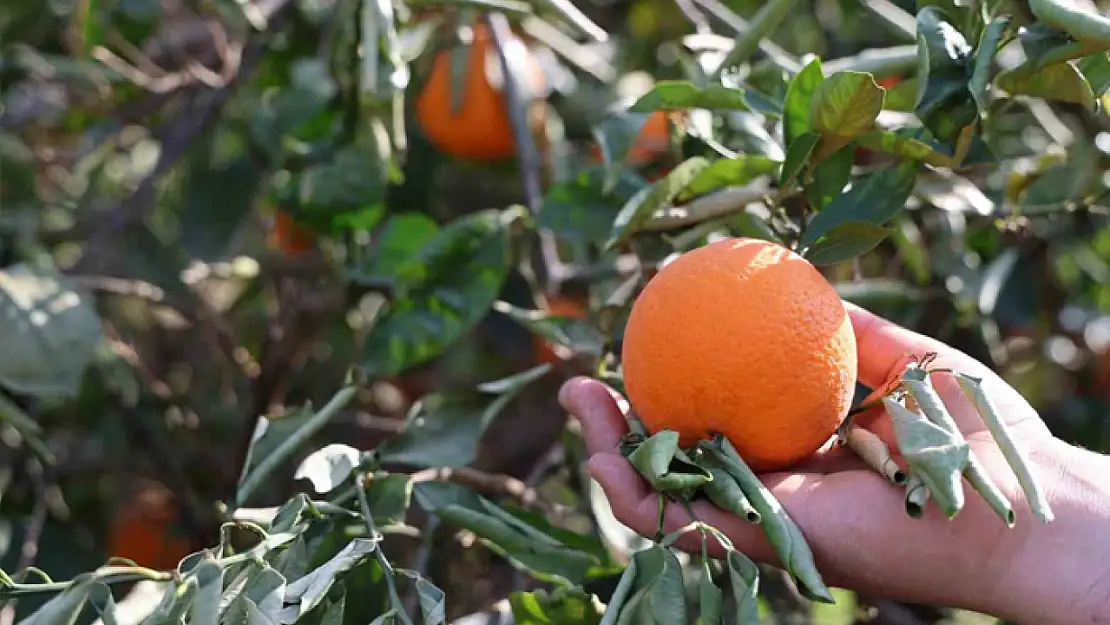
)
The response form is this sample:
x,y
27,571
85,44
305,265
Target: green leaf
x,y
665,466
563,606
797,157
669,95
830,176
1072,18
1096,69
938,457
580,210
63,608
307,592
660,598
399,240
389,498
433,602
206,606
709,598
979,84
641,206
1062,82
100,598
615,135
621,595
736,171
50,332
450,285
799,97
444,428
944,104
578,335
845,105
908,143
875,199
744,575
546,560
847,240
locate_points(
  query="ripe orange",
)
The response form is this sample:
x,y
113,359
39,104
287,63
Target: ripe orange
x,y
288,236
745,338
144,529
480,128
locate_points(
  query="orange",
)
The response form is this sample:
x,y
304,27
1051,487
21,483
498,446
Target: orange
x,y
288,236
557,306
480,128
144,529
653,141
745,338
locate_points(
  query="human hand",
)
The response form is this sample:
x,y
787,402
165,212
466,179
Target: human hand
x,y
854,519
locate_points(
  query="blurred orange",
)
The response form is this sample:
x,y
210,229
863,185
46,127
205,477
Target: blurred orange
x,y
144,529
561,305
288,236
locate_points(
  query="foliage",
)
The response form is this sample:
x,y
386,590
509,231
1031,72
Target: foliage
x,y
941,162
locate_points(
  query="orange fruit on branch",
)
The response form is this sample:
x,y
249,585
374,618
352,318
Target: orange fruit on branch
x,y
479,127
745,338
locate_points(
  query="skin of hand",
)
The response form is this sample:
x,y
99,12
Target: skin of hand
x,y
854,520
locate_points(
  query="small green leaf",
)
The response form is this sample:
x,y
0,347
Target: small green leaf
x,y
389,498
621,595
736,171
1072,18
799,96
725,492
562,606
433,601
1096,69
875,199
100,598
581,210
660,597
979,84
1062,82
744,575
830,176
579,335
399,239
797,157
907,143
847,240
669,95
845,105
643,205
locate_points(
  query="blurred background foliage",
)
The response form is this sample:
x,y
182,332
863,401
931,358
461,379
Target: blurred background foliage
x,y
210,210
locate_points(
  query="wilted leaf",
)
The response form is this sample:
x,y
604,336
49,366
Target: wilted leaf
x,y
744,575
875,199
643,205
49,330
665,467
100,598
660,596
935,455
307,592
847,240
736,171
328,467
709,598
206,606
433,602
451,284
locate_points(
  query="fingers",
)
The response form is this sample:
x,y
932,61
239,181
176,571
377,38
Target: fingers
x,y
595,406
884,348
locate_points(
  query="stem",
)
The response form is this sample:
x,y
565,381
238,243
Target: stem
x,y
110,575
387,569
765,20
1066,16
254,478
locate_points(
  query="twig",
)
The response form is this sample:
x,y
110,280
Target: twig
x,y
481,481
518,103
896,16
727,201
778,55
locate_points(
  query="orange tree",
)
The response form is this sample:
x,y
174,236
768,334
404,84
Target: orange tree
x,y
318,268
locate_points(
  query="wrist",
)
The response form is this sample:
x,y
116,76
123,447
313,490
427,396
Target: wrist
x,y
1060,572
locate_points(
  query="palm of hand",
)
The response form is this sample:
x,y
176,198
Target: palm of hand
x,y
852,518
